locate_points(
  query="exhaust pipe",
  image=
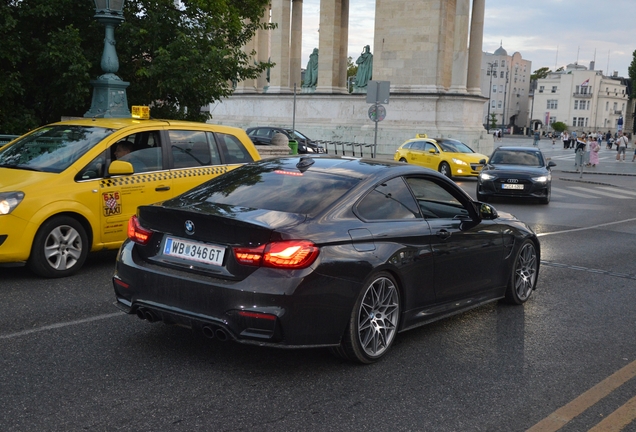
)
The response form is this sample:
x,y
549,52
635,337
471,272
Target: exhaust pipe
x,y
150,316
140,314
208,332
221,335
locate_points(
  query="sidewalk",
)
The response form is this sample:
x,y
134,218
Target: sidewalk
x,y
564,158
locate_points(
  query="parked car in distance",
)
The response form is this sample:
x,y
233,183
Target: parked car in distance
x,y
516,172
354,252
63,193
262,135
450,157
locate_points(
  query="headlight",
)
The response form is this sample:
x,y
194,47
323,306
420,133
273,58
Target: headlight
x,y
459,161
541,179
485,176
9,201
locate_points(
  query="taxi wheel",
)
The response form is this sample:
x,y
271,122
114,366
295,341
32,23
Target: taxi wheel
x,y
59,249
403,160
445,169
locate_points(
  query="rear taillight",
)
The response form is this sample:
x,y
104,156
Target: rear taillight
x,y
137,233
292,254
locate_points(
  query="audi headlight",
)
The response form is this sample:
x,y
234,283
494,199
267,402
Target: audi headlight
x,y
459,161
486,176
9,201
541,179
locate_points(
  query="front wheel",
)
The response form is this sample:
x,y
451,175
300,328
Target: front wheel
x,y
59,249
403,160
523,279
546,199
445,169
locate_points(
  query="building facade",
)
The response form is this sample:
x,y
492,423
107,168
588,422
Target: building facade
x,y
505,81
582,98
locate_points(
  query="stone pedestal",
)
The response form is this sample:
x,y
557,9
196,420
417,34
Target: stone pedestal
x,y
109,97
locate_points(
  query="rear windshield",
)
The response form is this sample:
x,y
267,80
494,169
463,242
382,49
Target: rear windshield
x,y
284,190
52,148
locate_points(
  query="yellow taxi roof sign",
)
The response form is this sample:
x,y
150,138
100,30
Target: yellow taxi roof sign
x,y
421,136
140,112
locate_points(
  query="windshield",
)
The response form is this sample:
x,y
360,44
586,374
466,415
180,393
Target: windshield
x,y
506,157
454,146
52,148
296,134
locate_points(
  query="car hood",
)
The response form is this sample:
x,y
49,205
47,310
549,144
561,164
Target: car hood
x,y
16,179
515,169
468,157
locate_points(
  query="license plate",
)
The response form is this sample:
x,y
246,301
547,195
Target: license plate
x,y
194,251
511,186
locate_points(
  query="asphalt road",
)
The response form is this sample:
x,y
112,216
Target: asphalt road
x,y
71,361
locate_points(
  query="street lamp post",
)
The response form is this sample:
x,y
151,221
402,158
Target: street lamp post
x,y
109,91
503,115
490,66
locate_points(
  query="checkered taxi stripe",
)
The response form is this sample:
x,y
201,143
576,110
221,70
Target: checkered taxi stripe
x,y
163,175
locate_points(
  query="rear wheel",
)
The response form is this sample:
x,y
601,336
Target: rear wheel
x,y
59,249
523,279
403,160
445,169
374,321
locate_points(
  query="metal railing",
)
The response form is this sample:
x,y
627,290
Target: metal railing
x,y
6,138
344,147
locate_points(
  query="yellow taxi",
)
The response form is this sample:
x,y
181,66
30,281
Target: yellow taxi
x,y
448,156
68,188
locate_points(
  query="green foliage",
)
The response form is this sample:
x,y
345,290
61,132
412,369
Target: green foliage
x,y
176,59
631,72
540,73
559,126
493,120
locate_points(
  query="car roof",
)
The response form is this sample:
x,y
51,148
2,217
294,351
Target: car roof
x,y
121,123
518,148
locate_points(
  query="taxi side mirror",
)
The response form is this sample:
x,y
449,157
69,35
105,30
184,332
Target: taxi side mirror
x,y
432,151
119,167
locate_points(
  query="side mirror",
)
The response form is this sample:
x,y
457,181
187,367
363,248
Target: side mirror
x,y
482,162
551,164
120,167
487,212
432,151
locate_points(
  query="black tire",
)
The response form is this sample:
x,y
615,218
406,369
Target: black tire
x,y
403,160
546,199
523,277
445,169
374,321
59,249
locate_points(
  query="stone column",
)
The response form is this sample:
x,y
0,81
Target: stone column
x,y
263,54
279,74
475,50
460,51
296,44
330,47
249,85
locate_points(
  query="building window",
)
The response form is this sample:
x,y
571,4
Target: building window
x,y
552,104
496,63
576,104
492,104
494,89
498,104
574,121
503,63
500,89
541,89
554,88
606,106
501,74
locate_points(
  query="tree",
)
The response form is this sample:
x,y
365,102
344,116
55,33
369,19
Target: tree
x,y
631,72
493,120
540,73
559,126
352,71
177,59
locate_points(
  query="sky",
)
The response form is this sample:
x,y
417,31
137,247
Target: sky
x,y
549,33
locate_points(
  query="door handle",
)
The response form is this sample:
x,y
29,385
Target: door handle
x,y
443,234
162,188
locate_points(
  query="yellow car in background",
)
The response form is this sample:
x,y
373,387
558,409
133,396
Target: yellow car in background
x,y
448,156
70,187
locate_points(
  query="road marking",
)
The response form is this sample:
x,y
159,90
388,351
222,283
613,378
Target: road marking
x,y
604,193
60,325
587,269
586,228
629,192
617,420
566,413
577,194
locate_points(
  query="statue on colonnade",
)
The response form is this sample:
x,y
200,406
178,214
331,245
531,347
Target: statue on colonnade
x,y
365,70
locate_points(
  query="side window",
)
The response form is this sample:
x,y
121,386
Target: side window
x,y
94,170
191,149
142,150
232,149
389,201
418,145
430,147
434,201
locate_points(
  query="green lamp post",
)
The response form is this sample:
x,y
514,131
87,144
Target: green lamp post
x,y
109,91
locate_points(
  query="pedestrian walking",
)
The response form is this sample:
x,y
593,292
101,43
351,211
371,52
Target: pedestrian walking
x,y
537,137
621,146
594,149
566,140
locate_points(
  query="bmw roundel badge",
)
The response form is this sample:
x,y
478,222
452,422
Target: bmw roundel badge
x,y
189,227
